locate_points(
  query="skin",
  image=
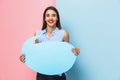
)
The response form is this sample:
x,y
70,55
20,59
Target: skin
x,y
51,19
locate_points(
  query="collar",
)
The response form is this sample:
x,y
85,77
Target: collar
x,y
44,31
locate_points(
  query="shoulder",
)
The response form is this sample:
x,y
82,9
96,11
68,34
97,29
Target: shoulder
x,y
38,32
66,36
66,33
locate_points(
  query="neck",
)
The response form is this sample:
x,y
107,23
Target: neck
x,y
50,29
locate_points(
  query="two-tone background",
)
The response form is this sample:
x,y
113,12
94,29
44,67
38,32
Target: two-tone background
x,y
93,25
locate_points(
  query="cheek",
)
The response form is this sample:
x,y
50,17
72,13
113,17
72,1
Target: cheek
x,y
46,19
55,19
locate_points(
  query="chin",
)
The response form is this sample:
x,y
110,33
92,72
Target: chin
x,y
52,25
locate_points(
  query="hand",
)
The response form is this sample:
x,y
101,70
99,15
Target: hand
x,y
36,41
22,58
76,51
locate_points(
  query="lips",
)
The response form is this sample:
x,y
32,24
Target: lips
x,y
51,21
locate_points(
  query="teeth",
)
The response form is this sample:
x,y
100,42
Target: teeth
x,y
51,21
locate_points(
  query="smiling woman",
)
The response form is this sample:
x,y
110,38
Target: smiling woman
x,y
51,31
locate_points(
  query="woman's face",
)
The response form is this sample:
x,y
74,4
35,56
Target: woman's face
x,y
51,18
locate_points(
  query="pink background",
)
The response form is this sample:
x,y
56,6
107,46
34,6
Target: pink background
x,y
19,19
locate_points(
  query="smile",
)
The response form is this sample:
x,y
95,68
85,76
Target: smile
x,y
51,21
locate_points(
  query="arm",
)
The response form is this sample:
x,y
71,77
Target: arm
x,y
36,41
66,36
76,51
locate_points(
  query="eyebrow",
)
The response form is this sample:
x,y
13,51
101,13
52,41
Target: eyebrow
x,y
52,14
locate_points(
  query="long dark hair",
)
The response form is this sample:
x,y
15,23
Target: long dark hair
x,y
58,21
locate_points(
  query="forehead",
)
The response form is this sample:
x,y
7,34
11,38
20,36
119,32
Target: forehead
x,y
50,11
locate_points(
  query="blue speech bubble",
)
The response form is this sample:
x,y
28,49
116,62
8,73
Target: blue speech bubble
x,y
50,58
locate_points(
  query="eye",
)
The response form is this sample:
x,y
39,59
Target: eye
x,y
54,15
47,15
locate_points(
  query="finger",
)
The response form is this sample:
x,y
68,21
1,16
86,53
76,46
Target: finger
x,y
22,57
24,60
77,51
74,50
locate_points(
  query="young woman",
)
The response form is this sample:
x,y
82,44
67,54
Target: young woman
x,y
51,31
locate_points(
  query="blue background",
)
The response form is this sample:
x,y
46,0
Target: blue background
x,y
94,27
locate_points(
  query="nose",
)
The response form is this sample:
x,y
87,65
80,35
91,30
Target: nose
x,y
50,17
